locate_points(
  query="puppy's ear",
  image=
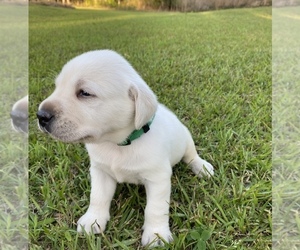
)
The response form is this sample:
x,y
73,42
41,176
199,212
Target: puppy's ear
x,y
145,104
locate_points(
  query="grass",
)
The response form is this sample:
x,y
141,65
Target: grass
x,y
13,146
286,198
13,179
213,70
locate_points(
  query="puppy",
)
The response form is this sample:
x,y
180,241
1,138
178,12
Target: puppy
x,y
19,115
100,100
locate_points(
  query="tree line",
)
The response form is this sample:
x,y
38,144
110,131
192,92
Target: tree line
x,y
173,5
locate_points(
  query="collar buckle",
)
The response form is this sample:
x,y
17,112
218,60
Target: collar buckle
x,y
136,134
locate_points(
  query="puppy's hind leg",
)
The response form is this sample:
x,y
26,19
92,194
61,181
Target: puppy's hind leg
x,y
199,166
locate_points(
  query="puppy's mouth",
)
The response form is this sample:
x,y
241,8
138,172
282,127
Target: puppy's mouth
x,y
83,139
65,135
73,139
61,129
43,129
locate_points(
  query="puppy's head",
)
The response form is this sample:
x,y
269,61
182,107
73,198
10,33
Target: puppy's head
x,y
98,97
19,115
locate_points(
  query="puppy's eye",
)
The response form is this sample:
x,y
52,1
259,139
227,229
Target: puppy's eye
x,y
82,93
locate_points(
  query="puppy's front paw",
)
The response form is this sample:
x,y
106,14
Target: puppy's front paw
x,y
91,223
202,168
156,236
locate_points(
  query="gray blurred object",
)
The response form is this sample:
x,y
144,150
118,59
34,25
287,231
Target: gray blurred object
x,y
19,115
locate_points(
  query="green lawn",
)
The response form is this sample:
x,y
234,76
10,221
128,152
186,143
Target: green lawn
x,y
13,174
13,146
213,69
286,128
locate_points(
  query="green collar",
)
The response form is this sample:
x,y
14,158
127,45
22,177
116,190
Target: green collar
x,y
136,134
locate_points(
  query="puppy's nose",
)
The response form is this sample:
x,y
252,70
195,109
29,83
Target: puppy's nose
x,y
44,117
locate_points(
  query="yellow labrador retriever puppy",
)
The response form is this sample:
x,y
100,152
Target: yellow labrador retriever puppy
x,y
19,115
100,100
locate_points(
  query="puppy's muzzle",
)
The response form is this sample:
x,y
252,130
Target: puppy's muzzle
x,y
45,118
